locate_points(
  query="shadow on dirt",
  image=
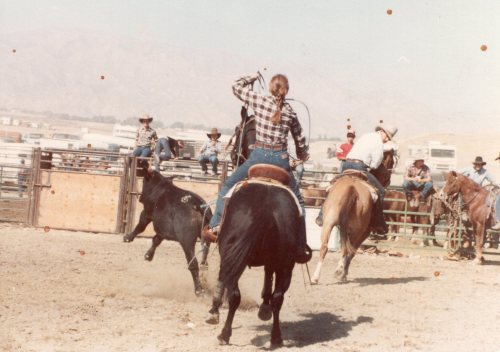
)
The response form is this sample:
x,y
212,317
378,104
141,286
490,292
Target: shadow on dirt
x,y
314,328
367,281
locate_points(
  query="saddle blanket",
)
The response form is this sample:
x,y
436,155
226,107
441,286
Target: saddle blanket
x,y
267,182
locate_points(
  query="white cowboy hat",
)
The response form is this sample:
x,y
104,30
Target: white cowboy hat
x,y
417,157
146,117
390,131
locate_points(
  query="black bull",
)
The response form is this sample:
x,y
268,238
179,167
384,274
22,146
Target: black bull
x,y
177,215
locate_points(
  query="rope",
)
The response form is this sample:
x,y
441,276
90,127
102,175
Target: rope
x,y
308,116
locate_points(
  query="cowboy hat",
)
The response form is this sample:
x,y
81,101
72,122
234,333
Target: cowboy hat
x,y
351,133
390,131
214,131
498,157
418,157
146,117
479,160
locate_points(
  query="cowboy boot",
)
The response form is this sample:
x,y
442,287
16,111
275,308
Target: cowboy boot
x,y
378,223
303,253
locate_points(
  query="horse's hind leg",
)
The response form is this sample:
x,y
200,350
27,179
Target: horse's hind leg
x,y
283,279
216,303
205,247
343,267
265,310
157,239
234,298
144,221
479,234
193,268
325,238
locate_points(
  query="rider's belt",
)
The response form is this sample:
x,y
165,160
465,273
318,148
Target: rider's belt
x,y
356,161
268,146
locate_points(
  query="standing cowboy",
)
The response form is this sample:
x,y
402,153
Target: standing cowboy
x,y
345,148
479,175
367,154
145,138
418,178
275,118
209,152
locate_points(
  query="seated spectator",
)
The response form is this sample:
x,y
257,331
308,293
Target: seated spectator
x,y
146,137
418,178
166,149
210,151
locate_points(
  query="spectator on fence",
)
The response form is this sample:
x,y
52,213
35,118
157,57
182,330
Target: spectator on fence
x,y
418,178
166,149
23,176
210,151
145,139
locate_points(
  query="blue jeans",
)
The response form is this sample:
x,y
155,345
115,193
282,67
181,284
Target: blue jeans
x,y
258,156
299,170
205,159
163,149
143,152
423,187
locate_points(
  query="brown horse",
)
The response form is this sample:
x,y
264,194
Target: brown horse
x,y
398,204
475,199
349,206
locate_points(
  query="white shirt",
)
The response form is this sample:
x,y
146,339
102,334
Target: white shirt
x,y
369,149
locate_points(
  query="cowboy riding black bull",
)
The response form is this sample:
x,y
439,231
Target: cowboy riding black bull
x,y
177,215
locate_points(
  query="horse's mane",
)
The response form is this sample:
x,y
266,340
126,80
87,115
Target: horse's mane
x,y
467,181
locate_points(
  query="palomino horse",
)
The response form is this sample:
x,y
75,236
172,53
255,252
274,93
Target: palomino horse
x,y
244,139
349,205
475,200
257,231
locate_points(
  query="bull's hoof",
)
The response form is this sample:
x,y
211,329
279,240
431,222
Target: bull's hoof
x,y
213,319
265,312
199,292
223,340
314,281
128,238
148,256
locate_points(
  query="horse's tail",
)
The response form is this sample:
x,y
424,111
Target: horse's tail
x,y
237,239
346,206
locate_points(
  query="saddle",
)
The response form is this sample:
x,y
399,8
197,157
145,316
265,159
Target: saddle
x,y
356,173
359,176
269,172
268,175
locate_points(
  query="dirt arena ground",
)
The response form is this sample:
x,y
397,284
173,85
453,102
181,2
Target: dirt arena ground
x,y
73,291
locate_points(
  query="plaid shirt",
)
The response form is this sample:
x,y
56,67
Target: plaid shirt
x,y
412,171
264,108
145,137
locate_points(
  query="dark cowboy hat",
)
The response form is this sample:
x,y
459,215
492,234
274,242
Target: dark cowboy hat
x,y
351,134
498,157
214,131
146,117
479,160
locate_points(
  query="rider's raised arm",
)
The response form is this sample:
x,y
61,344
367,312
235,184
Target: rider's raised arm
x,y
298,137
243,90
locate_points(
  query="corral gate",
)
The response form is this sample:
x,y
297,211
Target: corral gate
x,y
77,196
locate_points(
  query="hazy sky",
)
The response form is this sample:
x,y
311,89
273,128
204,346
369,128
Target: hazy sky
x,y
343,57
